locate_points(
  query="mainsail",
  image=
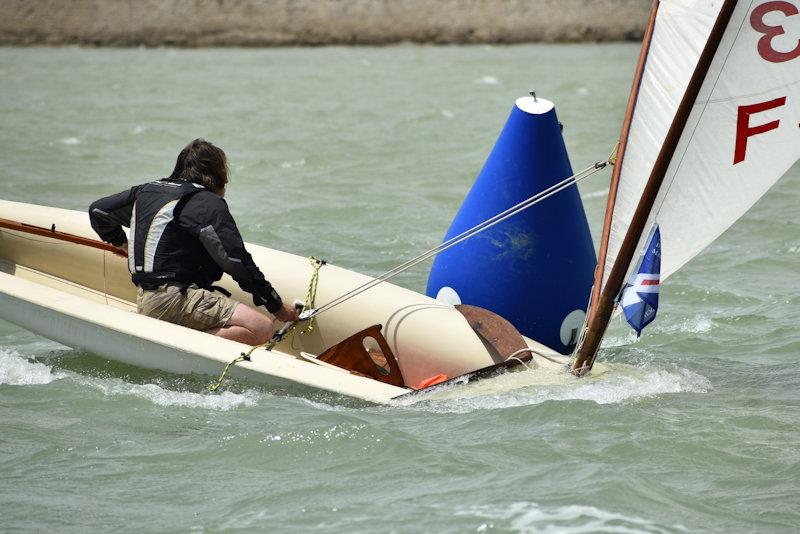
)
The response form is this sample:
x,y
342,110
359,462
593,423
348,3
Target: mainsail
x,y
712,124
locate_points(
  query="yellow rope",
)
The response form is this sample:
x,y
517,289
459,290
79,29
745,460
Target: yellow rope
x,y
612,158
311,295
216,385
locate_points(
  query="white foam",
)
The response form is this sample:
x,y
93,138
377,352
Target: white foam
x,y
290,164
699,324
627,337
488,80
70,141
16,370
617,388
621,383
161,396
318,404
571,519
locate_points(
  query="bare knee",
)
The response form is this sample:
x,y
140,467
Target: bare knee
x,y
259,325
262,329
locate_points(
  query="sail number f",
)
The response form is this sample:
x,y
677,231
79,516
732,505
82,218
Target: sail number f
x,y
765,49
744,130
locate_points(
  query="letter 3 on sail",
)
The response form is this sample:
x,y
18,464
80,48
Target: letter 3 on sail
x,y
713,122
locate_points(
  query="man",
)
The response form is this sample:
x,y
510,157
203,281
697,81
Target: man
x,y
182,238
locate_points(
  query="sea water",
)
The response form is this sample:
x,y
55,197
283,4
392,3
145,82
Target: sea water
x,y
362,156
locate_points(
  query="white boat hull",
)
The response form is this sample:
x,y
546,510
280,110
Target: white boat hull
x,y
83,297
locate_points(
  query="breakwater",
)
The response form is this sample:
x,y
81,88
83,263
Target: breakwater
x,y
198,23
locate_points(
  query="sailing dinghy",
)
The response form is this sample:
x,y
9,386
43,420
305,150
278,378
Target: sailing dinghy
x,y
57,279
712,123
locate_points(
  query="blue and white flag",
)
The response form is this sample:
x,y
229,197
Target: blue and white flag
x,y
639,298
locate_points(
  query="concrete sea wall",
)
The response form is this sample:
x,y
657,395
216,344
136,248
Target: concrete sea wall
x,y
316,22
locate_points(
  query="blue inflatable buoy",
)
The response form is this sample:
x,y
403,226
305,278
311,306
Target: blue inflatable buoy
x,y
535,269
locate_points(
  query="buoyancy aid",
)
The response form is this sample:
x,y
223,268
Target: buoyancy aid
x,y
161,250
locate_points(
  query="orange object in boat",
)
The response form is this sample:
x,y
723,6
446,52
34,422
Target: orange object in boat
x,y
432,381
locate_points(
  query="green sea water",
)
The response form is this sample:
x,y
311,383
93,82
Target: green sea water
x,y
362,156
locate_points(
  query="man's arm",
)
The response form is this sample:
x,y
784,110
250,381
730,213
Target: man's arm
x,y
206,215
109,214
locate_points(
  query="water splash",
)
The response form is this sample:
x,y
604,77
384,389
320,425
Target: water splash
x,y
622,383
628,337
620,387
699,324
16,370
571,519
163,396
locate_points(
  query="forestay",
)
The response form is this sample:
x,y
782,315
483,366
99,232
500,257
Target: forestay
x,y
723,131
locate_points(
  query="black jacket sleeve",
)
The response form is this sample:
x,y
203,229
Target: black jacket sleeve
x,y
109,214
207,217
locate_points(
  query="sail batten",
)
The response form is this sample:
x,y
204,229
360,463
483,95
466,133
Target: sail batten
x,y
732,136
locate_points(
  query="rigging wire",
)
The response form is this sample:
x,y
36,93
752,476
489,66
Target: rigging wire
x,y
455,240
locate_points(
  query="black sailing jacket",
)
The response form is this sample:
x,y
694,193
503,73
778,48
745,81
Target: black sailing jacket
x,y
180,232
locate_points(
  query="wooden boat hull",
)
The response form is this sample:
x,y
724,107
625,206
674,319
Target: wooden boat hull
x,y
82,296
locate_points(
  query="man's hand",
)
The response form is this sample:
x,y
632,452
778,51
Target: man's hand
x,y
287,313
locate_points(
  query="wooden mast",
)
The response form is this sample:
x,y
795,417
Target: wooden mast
x,y
603,305
622,145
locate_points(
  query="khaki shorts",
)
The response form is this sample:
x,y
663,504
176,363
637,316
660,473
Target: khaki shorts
x,y
197,308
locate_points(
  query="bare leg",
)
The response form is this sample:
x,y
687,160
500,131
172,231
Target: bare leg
x,y
246,325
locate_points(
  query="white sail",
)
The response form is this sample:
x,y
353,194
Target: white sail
x,y
742,134
712,124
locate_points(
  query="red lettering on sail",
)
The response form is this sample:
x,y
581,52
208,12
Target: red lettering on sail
x,y
765,49
744,130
